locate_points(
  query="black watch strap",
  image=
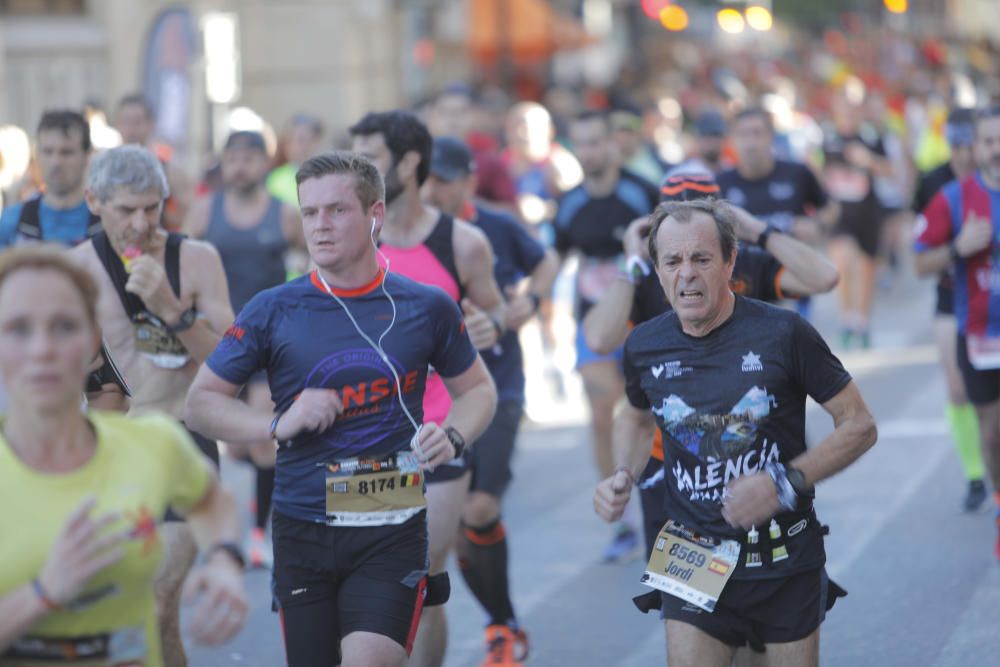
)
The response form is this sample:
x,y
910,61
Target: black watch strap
x,y
231,548
456,439
187,320
765,235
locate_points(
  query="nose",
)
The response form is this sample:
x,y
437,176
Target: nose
x,y
687,271
41,345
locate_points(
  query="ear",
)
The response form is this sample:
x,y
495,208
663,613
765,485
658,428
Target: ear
x,y
92,202
407,166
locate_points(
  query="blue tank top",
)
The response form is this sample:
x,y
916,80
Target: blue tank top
x,y
253,258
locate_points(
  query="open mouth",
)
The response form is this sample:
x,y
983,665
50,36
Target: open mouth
x,y
690,295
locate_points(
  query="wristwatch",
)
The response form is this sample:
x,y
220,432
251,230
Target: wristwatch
x,y
633,269
187,320
798,482
231,548
456,439
766,234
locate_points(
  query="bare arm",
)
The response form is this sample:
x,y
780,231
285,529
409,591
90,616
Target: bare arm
x,y
213,409
753,499
854,434
632,438
605,326
20,610
473,401
483,305
806,270
975,236
521,304
215,312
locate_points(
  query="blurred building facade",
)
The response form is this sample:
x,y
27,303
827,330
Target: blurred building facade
x,y
335,59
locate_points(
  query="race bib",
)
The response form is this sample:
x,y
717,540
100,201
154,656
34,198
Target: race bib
x,y
983,351
383,491
154,342
123,648
692,567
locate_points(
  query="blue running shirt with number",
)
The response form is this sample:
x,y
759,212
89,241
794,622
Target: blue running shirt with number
x,y
303,338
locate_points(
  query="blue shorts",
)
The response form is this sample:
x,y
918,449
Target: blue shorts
x,y
584,355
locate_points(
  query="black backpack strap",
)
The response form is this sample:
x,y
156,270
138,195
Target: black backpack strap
x,y
29,225
93,225
172,261
116,272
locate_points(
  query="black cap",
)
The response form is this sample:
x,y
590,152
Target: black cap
x,y
246,139
451,159
710,123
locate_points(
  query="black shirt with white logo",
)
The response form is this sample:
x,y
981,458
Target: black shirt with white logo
x,y
726,404
790,190
757,274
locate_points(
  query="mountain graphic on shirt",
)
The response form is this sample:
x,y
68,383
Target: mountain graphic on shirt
x,y
717,436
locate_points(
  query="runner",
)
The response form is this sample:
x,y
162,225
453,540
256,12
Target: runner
x,y
163,305
81,550
592,219
726,380
773,267
135,120
61,214
252,230
525,271
302,138
959,412
854,157
706,155
957,230
784,194
432,248
350,568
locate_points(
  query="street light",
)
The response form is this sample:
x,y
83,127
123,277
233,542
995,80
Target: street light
x,y
759,18
730,20
653,8
896,6
674,18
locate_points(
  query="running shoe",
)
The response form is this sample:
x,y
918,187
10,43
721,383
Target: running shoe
x,y
624,546
501,642
975,496
260,555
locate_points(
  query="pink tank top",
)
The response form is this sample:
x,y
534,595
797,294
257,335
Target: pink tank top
x,y
430,263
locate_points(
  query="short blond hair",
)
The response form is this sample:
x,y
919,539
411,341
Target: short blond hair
x,y
51,257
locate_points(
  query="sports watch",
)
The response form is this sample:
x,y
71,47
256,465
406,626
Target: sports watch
x,y
232,549
186,321
765,235
456,439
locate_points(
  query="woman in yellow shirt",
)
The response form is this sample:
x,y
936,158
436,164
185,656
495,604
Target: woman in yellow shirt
x,y
82,493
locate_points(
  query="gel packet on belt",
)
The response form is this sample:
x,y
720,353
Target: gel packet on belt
x,y
130,255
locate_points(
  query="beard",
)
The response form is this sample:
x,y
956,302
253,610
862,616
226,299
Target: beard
x,y
393,186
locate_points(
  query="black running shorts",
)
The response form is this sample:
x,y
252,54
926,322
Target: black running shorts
x,y
209,448
981,387
490,457
763,611
329,582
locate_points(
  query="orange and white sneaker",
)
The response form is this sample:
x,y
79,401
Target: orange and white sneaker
x,y
259,553
501,643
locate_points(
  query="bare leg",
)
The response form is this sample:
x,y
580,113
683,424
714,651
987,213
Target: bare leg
x,y
444,512
179,551
687,646
801,653
368,649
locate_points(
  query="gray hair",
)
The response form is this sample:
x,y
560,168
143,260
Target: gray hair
x,y
130,167
682,211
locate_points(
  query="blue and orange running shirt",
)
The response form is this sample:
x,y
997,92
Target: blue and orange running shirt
x,y
303,338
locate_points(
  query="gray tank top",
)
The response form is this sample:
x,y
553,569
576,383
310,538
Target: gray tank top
x,y
253,258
